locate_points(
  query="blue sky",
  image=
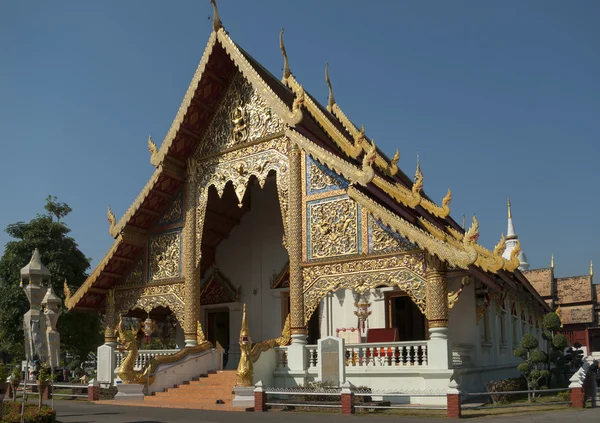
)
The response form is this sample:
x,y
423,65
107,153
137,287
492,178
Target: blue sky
x,y
499,98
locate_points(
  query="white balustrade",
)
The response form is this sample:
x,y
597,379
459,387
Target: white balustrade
x,y
384,354
144,357
387,354
281,355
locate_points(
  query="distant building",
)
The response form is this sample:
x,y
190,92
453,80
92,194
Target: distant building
x,y
574,298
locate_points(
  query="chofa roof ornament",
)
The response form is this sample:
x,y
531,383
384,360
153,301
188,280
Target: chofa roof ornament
x,y
217,24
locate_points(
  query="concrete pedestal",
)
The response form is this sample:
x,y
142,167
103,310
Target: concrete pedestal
x,y
107,362
244,397
130,392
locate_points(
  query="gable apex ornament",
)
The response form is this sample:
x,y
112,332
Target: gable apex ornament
x,y
153,149
286,64
217,24
331,98
112,221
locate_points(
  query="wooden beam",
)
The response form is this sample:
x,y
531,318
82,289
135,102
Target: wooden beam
x,y
485,278
223,235
123,259
134,237
189,133
160,193
149,212
202,105
174,171
95,290
218,78
111,275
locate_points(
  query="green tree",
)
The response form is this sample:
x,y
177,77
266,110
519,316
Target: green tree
x,y
80,332
558,363
534,363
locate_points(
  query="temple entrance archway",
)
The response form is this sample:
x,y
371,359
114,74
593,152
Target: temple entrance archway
x,y
402,313
218,329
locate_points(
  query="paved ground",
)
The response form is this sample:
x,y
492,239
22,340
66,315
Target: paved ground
x,y
81,412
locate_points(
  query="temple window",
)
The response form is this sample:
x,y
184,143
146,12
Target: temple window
x,y
486,328
515,324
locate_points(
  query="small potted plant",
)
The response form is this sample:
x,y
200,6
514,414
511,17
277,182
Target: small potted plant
x,y
15,379
43,381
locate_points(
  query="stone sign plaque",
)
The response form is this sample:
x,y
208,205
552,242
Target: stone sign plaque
x,y
331,360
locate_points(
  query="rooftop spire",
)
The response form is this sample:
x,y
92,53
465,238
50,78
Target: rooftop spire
x,y
591,268
512,240
552,262
286,64
217,24
331,99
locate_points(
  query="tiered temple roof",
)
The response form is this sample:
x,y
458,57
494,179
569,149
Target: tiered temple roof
x,y
329,137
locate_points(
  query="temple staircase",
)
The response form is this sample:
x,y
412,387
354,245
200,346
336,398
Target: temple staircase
x,y
213,391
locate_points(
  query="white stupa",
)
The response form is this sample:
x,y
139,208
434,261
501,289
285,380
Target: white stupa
x,y
511,242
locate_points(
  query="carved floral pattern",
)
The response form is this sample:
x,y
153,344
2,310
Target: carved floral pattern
x,y
320,179
165,256
404,271
136,276
382,240
242,116
174,213
333,227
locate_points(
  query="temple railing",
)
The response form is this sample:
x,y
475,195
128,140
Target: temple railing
x,y
144,357
381,354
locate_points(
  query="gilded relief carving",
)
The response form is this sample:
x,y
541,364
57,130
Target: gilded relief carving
x,y
165,256
136,276
381,240
333,228
174,213
320,179
242,116
404,271
152,296
238,167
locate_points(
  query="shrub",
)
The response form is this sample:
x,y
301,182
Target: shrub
x,y
505,385
33,414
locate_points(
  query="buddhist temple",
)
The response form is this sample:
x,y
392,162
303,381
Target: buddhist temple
x,y
266,201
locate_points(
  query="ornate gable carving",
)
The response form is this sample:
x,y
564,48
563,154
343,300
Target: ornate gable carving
x,y
382,240
136,275
174,212
165,256
216,289
321,179
333,228
242,116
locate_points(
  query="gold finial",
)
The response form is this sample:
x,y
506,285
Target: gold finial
x,y
509,212
217,24
153,149
67,291
464,222
286,64
244,331
331,99
591,268
552,261
112,221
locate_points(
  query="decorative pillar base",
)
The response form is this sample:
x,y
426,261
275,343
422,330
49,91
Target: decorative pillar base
x,y
298,357
438,349
244,397
130,392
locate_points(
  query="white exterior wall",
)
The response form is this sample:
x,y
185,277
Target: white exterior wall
x,y
249,257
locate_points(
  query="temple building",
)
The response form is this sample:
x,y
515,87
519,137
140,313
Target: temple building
x,y
574,298
267,201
